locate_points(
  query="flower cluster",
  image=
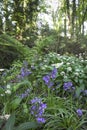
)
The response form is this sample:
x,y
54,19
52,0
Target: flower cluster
x,y
79,112
47,78
8,89
84,92
37,109
68,86
54,73
25,94
24,72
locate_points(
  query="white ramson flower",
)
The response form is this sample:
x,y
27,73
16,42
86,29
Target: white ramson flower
x,y
82,71
45,60
4,117
68,63
65,77
8,86
8,92
82,60
69,69
77,70
2,70
64,57
62,73
57,65
2,95
44,67
58,54
77,74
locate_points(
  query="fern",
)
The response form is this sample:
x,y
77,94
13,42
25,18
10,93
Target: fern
x,y
10,50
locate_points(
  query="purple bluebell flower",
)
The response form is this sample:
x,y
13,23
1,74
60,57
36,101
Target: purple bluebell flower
x,y
19,76
25,72
37,109
67,86
73,88
50,84
54,73
34,109
40,120
42,107
25,94
79,112
46,79
36,100
25,63
85,92
28,72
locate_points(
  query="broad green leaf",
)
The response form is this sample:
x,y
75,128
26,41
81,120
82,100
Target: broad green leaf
x,y
25,108
1,90
10,123
27,126
1,122
21,85
78,91
15,103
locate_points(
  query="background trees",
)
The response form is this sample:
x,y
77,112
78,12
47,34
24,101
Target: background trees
x,y
19,18
39,24
69,18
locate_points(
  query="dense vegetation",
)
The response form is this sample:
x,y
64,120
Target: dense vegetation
x,y
43,74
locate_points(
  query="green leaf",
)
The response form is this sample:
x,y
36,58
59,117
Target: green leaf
x,y
78,91
1,122
25,82
25,108
15,103
10,123
27,125
1,90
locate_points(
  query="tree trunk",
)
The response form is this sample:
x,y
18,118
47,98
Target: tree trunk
x,y
73,17
5,18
